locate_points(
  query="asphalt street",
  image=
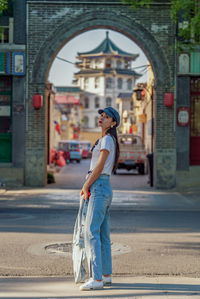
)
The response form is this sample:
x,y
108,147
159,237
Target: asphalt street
x,y
36,241
72,176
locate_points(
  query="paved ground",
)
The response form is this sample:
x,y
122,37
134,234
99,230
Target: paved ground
x,y
158,232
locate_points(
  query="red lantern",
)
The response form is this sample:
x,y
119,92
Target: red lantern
x,y
169,99
37,101
60,160
143,93
58,128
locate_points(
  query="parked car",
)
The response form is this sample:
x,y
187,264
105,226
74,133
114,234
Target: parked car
x,y
71,150
85,147
132,153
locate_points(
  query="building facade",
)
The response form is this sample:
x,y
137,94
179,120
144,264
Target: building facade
x,y
144,112
188,119
105,72
12,96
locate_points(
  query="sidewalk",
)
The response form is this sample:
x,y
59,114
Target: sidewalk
x,y
123,287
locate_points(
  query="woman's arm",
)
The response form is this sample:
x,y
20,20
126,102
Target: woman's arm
x,y
95,173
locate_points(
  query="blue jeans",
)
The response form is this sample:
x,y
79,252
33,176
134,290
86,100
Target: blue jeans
x,y
97,229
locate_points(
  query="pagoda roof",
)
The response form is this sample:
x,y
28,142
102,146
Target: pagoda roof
x,y
68,89
109,71
108,47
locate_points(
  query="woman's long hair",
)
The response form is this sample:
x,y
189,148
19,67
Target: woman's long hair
x,y
113,133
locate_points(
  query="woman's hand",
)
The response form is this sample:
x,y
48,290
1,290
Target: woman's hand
x,y
85,191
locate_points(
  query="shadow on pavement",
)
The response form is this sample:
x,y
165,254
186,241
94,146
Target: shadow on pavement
x,y
137,290
59,221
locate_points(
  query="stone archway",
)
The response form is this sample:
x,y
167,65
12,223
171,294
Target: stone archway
x,y
71,20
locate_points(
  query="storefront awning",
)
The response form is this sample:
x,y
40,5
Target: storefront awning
x,y
65,99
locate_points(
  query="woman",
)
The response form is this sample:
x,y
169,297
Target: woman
x,y
105,155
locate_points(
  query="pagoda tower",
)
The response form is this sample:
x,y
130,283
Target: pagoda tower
x,y
105,72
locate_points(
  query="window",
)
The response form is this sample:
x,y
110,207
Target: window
x,y
108,63
194,121
5,84
127,63
86,83
6,34
87,63
96,82
5,119
108,102
128,141
96,121
5,104
108,83
97,62
85,122
119,83
86,102
119,64
129,84
131,105
96,102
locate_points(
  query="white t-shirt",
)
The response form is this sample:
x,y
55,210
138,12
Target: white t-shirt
x,y
107,143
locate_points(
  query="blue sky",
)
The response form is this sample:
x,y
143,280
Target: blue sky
x,y
61,73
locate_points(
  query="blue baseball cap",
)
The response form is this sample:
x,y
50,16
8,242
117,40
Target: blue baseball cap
x,y
111,112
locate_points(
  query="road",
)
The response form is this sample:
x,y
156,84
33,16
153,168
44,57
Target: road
x,y
73,175
37,242
36,229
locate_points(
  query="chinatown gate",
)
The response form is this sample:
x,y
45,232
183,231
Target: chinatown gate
x,y
51,24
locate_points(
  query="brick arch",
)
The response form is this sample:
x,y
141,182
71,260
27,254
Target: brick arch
x,y
51,27
136,32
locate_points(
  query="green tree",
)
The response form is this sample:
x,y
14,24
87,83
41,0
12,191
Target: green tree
x,y
3,5
184,13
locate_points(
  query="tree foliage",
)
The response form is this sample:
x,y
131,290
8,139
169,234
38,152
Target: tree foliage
x,y
3,5
184,13
137,3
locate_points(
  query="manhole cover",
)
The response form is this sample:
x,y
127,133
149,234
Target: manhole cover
x,y
60,248
66,248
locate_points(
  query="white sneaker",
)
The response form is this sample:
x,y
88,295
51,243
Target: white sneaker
x,y
92,284
107,280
